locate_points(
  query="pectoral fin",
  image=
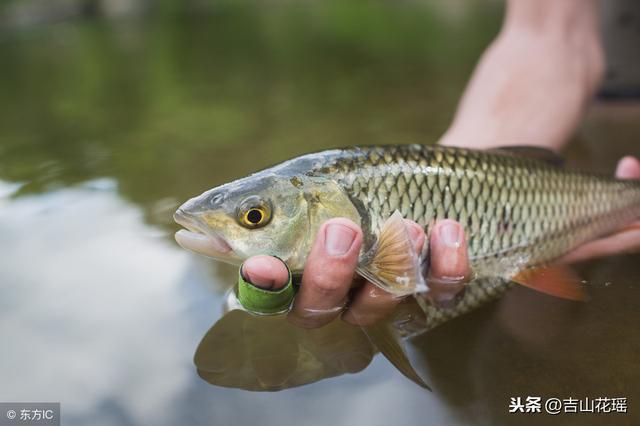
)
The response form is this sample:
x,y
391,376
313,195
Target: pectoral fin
x,y
395,266
556,280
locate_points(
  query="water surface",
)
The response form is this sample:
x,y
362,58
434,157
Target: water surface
x,y
106,125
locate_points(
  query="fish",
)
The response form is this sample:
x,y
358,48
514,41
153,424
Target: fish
x,y
519,207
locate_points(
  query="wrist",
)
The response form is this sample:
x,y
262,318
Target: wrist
x,y
528,89
568,27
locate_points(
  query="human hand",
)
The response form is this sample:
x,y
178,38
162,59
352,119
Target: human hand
x,y
328,287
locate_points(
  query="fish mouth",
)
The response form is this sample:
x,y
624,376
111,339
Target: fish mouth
x,y
194,238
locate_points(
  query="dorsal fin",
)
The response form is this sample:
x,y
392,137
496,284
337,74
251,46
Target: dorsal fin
x,y
535,152
555,280
396,265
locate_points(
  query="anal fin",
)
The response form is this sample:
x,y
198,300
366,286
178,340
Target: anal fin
x,y
555,280
395,266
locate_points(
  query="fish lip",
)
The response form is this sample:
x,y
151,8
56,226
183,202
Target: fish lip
x,y
193,226
187,221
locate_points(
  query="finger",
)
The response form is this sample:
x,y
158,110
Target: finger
x,y
416,232
371,304
449,257
328,273
628,168
265,272
449,268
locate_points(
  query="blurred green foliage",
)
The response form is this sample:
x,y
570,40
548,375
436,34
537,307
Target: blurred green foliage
x,y
191,94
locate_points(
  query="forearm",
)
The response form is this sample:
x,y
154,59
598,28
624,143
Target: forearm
x,y
531,85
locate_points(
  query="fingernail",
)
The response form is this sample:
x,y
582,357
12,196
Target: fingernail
x,y
265,272
257,280
627,168
415,233
451,235
338,239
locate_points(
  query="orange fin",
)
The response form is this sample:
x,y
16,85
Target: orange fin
x,y
556,280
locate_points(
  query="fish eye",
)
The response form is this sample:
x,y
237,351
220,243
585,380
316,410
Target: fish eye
x,y
254,216
254,213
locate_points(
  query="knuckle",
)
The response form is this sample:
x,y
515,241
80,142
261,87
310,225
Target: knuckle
x,y
330,276
327,283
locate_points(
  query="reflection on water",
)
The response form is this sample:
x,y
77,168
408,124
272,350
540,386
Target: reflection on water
x,y
85,287
105,126
268,353
104,313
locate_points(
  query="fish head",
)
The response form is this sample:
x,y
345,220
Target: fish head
x,y
265,213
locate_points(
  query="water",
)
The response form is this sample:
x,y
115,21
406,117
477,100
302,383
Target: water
x,y
106,125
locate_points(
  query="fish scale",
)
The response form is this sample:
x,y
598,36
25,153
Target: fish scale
x,y
509,205
515,211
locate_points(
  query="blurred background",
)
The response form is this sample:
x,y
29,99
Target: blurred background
x,y
159,94
113,112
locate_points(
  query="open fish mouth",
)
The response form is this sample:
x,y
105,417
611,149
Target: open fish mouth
x,y
195,239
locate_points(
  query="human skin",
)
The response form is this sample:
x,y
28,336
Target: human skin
x,y
530,87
